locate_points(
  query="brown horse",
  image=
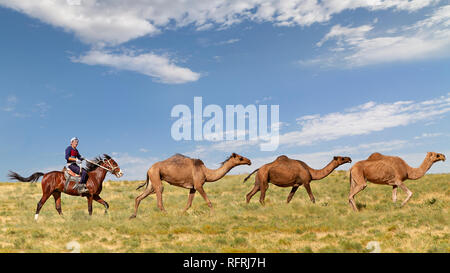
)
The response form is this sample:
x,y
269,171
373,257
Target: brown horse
x,y
53,183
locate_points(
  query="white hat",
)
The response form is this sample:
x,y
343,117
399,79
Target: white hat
x,y
73,139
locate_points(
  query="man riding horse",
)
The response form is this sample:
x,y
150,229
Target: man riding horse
x,y
74,161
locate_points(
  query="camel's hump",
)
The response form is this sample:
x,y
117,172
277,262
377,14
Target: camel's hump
x,y
180,159
375,156
180,155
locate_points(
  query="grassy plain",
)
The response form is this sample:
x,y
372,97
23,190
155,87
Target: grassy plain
x,y
234,226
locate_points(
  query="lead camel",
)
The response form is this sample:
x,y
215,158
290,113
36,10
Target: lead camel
x,y
387,170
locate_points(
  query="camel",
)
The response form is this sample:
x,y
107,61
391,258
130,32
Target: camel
x,y
387,170
286,172
185,172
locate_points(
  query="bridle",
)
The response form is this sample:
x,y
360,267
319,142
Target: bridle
x,y
112,168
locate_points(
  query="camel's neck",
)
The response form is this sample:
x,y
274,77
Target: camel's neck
x,y
322,173
214,175
416,173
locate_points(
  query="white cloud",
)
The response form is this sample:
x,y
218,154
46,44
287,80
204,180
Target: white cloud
x,y
364,119
92,21
115,22
42,108
359,120
235,145
10,104
319,159
134,167
111,23
428,135
159,67
228,42
358,46
264,99
353,35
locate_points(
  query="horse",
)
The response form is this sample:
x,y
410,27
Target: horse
x,y
53,183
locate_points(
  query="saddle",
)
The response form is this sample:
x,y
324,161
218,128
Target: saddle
x,y
70,176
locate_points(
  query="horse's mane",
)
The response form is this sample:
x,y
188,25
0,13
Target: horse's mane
x,y
98,160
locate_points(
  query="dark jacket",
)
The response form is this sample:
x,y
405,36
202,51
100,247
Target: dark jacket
x,y
71,152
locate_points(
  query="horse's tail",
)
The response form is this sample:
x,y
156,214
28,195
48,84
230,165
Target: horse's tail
x,y
144,184
250,175
32,178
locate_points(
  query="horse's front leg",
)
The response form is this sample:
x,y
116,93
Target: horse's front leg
x,y
89,199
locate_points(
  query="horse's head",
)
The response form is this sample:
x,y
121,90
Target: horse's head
x,y
112,166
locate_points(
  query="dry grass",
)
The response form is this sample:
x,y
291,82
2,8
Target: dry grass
x,y
234,226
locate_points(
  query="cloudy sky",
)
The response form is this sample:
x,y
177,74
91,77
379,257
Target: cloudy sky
x,y
350,78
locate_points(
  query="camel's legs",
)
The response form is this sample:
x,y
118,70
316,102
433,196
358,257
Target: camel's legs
x,y
203,194
394,193
357,184
408,192
264,185
291,194
252,192
191,197
159,190
41,202
157,185
101,201
57,196
308,189
138,199
355,190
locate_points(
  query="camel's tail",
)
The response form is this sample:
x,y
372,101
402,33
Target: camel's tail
x,y
250,175
144,184
32,178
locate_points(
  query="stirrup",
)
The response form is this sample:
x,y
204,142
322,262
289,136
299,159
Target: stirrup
x,y
81,188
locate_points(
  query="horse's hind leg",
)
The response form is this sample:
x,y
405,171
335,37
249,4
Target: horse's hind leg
x,y
101,201
57,196
41,202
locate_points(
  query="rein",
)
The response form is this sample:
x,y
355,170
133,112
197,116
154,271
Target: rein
x,y
109,170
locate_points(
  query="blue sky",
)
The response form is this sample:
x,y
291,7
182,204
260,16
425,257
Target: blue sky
x,y
350,78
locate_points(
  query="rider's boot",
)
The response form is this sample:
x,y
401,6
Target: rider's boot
x,y
81,188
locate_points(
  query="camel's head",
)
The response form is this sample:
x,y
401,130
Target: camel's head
x,y
342,159
239,159
435,157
